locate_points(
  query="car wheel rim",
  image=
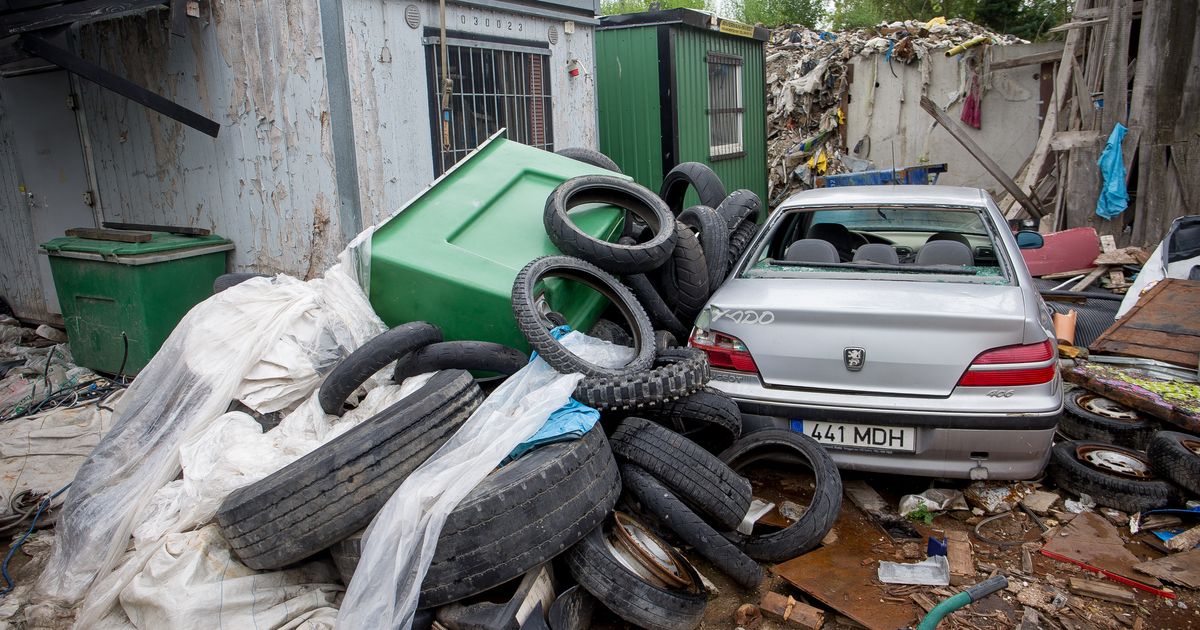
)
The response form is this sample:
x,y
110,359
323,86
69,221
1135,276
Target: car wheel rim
x,y
1102,406
647,555
1193,446
1115,460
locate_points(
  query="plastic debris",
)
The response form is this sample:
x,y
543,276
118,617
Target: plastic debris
x,y
933,500
1084,504
932,571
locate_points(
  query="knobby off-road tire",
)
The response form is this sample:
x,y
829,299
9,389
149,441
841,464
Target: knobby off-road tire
x,y
522,515
714,240
480,356
524,298
1107,488
677,372
588,156
1173,456
336,490
791,448
693,474
627,594
612,257
384,348
698,176
674,515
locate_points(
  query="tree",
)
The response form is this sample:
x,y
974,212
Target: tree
x,y
613,7
779,12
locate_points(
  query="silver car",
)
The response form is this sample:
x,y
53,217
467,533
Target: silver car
x,y
898,326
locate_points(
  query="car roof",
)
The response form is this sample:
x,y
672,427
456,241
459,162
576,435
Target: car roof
x,y
886,195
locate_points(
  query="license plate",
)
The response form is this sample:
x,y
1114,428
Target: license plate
x,y
869,436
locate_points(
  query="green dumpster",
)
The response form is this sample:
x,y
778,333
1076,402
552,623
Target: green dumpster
x,y
449,256
112,291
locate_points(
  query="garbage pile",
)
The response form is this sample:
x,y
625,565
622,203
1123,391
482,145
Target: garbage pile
x,y
807,82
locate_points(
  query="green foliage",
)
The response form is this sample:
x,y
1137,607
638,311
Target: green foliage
x,y
779,12
921,514
613,7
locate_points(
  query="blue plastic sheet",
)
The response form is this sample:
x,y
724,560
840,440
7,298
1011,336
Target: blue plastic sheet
x,y
568,422
1113,196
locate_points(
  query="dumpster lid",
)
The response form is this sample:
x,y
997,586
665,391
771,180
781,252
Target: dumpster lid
x,y
159,243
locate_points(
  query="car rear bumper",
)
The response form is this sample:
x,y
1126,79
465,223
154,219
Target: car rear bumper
x,y
999,447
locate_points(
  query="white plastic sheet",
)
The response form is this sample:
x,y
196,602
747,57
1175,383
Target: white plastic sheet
x,y
177,397
398,546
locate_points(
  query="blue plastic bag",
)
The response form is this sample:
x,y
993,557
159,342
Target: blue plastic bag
x,y
1113,196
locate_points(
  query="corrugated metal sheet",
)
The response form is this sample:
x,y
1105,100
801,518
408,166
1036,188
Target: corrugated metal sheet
x,y
256,67
691,75
627,85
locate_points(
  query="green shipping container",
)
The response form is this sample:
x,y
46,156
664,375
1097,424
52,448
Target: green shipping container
x,y
679,86
111,292
450,255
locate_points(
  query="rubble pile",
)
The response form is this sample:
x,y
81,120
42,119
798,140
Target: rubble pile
x,y
807,82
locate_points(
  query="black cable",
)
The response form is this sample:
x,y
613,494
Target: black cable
x,y
124,357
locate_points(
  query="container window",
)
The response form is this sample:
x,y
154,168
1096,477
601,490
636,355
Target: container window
x,y
494,87
725,109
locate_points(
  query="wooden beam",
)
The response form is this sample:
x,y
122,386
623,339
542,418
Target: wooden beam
x,y
1067,140
959,133
178,17
960,558
1116,66
130,90
1083,98
121,236
1027,60
1106,591
1074,25
1101,11
70,13
1089,279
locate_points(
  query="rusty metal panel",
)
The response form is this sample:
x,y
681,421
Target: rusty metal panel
x,y
268,182
1161,326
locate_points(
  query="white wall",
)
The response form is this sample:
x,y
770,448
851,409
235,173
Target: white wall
x,y
890,114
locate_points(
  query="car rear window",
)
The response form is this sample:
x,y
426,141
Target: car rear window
x,y
902,243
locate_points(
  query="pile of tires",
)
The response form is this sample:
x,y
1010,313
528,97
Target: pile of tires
x,y
672,257
1122,458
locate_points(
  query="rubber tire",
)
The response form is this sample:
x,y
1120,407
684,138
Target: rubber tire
x,y
610,331
739,240
684,279
549,348
656,308
672,513
373,356
1081,424
1107,489
741,205
227,280
678,372
708,186
616,257
696,476
522,515
588,156
626,594
480,356
1171,459
707,417
806,533
336,490
714,241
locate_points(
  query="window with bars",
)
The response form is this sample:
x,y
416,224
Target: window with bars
x,y
725,109
496,85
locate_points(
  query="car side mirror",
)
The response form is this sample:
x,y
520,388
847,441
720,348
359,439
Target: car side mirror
x,y
1028,239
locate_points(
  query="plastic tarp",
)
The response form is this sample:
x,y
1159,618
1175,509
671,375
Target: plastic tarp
x,y
178,397
398,546
1114,198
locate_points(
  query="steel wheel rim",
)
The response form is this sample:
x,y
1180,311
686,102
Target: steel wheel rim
x,y
1115,460
1107,408
648,556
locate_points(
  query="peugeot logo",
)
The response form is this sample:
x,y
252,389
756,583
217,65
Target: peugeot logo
x,y
854,358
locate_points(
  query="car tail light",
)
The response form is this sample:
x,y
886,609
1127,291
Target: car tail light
x,y
724,351
1010,366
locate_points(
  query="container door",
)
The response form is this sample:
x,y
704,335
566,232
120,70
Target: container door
x,y
50,156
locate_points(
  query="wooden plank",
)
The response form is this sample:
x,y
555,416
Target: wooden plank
x,y
1027,60
1077,25
1089,279
958,132
1108,245
794,614
1101,11
1178,568
1083,98
960,558
179,18
130,90
80,11
1185,541
173,229
1063,275
1066,140
1161,326
1117,384
111,235
1106,591
1116,66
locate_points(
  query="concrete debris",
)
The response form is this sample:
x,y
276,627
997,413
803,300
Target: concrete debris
x,y
1040,501
808,76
